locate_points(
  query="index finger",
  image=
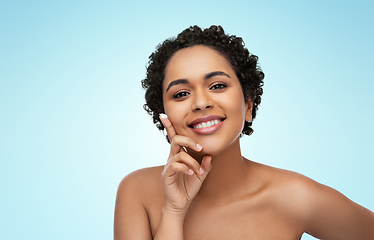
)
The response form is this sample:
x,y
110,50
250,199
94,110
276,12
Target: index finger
x,y
168,126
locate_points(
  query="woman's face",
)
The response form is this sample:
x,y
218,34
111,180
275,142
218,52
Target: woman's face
x,y
203,98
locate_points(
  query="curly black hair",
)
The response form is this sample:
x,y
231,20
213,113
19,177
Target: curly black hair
x,y
230,46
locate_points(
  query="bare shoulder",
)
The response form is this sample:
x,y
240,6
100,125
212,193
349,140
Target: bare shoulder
x,y
284,180
321,210
289,190
140,180
131,220
304,193
141,185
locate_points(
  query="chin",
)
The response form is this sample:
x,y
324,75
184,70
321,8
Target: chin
x,y
215,148
216,144
212,149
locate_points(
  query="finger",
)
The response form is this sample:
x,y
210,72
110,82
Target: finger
x,y
176,167
181,141
206,165
187,160
168,126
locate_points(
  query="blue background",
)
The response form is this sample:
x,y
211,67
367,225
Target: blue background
x,y
72,123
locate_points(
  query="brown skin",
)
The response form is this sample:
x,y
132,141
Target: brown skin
x,y
213,192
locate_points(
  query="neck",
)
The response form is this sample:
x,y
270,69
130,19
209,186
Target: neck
x,y
228,173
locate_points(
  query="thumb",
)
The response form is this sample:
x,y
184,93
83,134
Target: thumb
x,y
206,165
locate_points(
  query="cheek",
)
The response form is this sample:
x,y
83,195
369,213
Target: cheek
x,y
175,115
240,102
238,111
235,104
169,109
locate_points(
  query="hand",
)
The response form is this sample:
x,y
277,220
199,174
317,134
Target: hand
x,y
182,176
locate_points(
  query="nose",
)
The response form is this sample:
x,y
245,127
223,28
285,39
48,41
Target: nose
x,y
202,101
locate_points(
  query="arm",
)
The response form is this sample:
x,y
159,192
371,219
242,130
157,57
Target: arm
x,y
182,178
171,225
330,215
130,217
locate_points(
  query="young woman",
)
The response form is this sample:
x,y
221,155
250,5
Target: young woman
x,y
204,88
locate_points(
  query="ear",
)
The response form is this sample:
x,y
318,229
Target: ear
x,y
248,112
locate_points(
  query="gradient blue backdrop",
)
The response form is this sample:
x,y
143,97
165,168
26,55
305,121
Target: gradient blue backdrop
x,y
72,123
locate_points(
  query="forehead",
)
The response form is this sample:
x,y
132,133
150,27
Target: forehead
x,y
195,62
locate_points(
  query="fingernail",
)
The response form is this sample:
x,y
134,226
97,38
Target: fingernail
x,y
190,171
163,116
198,146
201,171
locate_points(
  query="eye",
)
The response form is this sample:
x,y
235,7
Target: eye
x,y
181,94
218,86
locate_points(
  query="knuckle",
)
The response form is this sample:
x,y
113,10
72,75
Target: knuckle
x,y
173,165
174,140
183,155
178,157
177,138
173,159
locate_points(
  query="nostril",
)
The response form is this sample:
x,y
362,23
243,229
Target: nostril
x,y
202,104
199,108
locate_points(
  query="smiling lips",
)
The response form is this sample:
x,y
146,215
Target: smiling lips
x,y
207,125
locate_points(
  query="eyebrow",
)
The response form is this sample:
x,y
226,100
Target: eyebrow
x,y
206,77
215,73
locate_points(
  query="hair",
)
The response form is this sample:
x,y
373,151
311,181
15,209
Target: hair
x,y
230,46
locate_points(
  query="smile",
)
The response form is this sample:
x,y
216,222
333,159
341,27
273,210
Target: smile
x,y
206,124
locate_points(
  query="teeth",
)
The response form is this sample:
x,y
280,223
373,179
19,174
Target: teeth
x,y
207,124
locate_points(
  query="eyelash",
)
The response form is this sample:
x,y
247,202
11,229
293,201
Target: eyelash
x,y
182,94
219,86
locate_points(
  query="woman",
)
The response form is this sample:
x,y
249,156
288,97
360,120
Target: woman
x,y
204,88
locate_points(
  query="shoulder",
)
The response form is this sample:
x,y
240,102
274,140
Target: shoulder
x,y
142,174
320,210
131,219
142,188
284,180
297,191
294,194
140,181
